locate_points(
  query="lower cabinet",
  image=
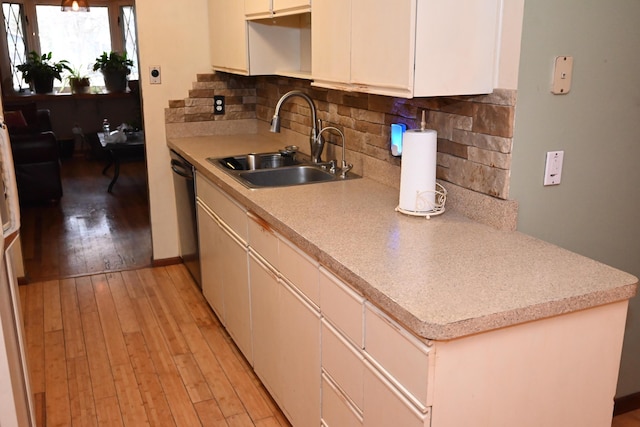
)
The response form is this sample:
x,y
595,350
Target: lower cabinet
x,y
211,259
330,357
225,282
366,358
286,342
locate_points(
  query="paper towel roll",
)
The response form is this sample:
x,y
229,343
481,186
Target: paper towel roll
x,y
418,170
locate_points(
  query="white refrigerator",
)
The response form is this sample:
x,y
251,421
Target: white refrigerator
x,y
16,399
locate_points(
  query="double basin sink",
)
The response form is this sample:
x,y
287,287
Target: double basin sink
x,y
280,169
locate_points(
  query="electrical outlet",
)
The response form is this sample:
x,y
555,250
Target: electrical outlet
x,y
154,75
218,104
553,167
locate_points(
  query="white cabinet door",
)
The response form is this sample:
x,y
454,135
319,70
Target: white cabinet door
x,y
265,320
382,45
406,48
237,301
331,43
456,46
291,6
286,337
300,359
228,36
256,7
262,8
210,239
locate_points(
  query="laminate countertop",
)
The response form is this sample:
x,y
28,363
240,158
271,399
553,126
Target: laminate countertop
x,y
443,278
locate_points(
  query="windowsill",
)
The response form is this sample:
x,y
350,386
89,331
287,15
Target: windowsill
x,y
60,96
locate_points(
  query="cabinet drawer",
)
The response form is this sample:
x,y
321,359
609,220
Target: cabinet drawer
x,y
233,214
336,409
384,406
263,240
384,340
300,270
343,362
342,306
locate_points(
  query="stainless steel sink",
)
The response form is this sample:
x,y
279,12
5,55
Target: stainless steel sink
x,y
285,176
253,161
275,170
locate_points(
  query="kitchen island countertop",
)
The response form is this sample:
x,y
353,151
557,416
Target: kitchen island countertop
x,y
443,278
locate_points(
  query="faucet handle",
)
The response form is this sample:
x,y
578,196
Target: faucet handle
x,y
346,167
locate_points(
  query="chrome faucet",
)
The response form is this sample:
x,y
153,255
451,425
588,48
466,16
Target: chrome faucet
x,y
344,168
315,141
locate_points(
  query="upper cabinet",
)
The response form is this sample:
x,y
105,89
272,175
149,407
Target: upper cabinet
x,y
280,45
259,9
415,48
228,36
408,49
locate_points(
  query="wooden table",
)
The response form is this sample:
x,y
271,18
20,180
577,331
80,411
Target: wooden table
x,y
132,148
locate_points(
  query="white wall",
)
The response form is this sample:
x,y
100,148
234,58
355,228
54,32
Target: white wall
x,y
595,210
173,35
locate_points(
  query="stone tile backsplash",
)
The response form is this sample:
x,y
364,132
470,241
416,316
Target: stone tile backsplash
x,y
474,132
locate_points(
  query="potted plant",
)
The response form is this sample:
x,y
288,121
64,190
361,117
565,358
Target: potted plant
x,y
40,71
78,82
115,68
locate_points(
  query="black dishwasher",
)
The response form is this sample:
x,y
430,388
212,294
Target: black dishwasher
x,y
184,185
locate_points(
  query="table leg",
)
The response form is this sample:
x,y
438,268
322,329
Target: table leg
x,y
106,168
116,173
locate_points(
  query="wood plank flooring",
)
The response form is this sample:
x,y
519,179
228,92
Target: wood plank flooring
x,y
136,348
89,230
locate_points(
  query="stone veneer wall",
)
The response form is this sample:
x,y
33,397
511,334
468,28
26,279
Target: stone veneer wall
x,y
474,132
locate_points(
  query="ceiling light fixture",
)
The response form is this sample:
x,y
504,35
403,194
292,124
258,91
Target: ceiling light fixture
x,y
75,5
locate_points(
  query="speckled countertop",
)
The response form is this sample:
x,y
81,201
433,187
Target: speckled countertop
x,y
443,278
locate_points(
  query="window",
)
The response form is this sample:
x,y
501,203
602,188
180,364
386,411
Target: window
x,y
129,35
78,38
14,32
59,32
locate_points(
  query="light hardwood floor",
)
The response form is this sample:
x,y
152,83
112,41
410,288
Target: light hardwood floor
x,y
136,348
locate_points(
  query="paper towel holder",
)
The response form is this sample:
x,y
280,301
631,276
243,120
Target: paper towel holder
x,y
424,207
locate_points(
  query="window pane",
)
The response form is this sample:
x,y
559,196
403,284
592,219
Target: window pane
x,y
130,38
77,37
13,24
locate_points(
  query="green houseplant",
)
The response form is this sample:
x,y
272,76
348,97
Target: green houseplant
x,y
78,82
40,71
115,68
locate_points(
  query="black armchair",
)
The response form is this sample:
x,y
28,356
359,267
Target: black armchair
x,y
36,153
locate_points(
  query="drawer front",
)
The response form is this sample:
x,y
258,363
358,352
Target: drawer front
x,y
263,240
384,406
336,409
342,306
343,362
384,340
300,270
227,209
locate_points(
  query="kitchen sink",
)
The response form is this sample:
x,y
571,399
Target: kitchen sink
x,y
282,177
264,170
253,161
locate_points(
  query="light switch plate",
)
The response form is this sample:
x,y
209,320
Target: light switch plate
x,y
553,167
562,74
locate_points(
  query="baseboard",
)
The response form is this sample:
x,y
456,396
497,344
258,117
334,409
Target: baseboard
x,y
166,261
626,404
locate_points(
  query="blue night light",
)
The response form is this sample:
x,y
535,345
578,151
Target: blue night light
x,y
397,129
